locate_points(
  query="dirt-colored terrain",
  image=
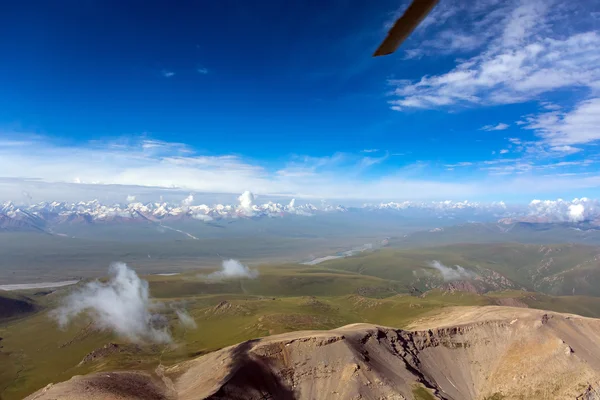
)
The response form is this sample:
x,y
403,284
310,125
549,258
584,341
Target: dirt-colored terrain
x,y
462,353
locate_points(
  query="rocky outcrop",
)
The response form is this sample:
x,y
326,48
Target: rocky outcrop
x,y
462,353
225,307
109,349
463,286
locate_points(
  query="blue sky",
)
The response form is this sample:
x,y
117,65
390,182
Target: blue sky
x,y
499,101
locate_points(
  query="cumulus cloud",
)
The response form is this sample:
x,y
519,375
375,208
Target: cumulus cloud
x,y
121,305
233,269
576,210
452,274
188,201
246,200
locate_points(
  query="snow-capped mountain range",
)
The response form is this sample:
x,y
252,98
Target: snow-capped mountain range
x,y
446,205
39,216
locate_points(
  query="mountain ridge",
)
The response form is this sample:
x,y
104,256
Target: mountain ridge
x,y
489,351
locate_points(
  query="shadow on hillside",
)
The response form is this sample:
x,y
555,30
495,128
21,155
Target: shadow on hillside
x,y
252,377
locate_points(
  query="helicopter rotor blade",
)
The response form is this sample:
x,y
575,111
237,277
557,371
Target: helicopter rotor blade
x,y
412,17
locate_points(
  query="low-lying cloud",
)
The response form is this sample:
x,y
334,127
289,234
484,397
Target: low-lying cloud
x,y
186,319
233,269
121,305
452,274
203,217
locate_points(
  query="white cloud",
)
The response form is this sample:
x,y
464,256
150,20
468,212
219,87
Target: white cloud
x,y
413,54
121,305
500,127
454,27
188,201
233,269
452,274
370,150
366,162
522,22
41,167
167,74
526,54
203,217
202,71
460,164
246,200
563,129
450,42
565,149
549,106
130,198
576,210
503,151
185,319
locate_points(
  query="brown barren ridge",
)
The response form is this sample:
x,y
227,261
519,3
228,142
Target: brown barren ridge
x,y
462,353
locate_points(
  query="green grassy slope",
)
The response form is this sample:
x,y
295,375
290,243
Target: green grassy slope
x,y
521,232
554,269
13,305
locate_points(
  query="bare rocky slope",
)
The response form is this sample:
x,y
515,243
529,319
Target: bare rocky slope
x,y
463,353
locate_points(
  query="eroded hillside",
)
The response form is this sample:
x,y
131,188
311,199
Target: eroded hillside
x,y
466,353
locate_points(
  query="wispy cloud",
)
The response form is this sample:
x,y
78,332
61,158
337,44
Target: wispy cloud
x,y
563,129
460,164
370,150
527,54
503,151
413,54
500,127
167,74
455,27
155,165
202,71
366,162
452,274
565,149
